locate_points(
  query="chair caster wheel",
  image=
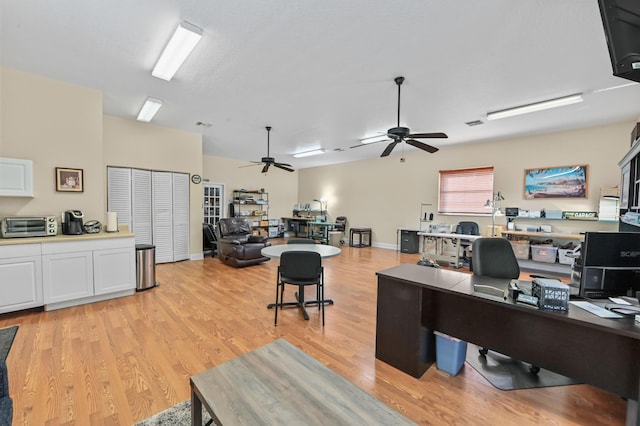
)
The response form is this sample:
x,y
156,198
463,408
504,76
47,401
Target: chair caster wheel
x,y
483,351
534,370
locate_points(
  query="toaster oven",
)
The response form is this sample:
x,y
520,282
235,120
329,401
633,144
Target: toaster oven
x,y
29,226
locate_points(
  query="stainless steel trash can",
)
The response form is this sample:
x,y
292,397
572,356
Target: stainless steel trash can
x,y
145,266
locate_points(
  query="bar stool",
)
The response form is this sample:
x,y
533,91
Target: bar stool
x,y
361,233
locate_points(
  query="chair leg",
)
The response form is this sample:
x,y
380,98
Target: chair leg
x,y
275,308
321,299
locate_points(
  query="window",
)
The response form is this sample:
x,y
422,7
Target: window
x,y
465,191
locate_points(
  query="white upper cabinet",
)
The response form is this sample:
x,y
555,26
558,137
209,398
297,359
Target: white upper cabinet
x,y
16,177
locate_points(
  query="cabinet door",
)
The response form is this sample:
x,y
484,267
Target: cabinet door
x,y
20,283
114,270
16,177
119,194
141,206
163,216
67,276
180,216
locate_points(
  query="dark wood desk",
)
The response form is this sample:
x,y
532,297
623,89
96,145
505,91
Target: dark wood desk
x,y
414,300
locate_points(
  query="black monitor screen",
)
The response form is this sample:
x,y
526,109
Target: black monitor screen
x,y
611,249
610,264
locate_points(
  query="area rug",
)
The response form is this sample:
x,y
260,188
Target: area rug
x,y
506,373
177,415
6,340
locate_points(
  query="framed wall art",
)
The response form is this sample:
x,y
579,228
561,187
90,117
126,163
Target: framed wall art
x,y
69,180
556,182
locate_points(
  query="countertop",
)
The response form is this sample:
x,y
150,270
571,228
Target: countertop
x,y
123,232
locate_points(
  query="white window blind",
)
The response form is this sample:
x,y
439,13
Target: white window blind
x,y
465,191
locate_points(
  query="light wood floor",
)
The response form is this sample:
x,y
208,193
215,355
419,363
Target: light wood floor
x,y
120,361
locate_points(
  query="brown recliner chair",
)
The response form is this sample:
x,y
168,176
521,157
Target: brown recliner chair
x,y
236,246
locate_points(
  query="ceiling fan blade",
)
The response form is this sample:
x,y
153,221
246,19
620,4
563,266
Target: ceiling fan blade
x,y
429,135
389,148
282,166
422,146
265,168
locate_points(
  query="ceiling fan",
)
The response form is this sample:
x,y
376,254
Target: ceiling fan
x,y
403,134
270,161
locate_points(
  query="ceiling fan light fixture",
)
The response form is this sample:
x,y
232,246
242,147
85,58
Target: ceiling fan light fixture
x,y
538,106
180,45
309,153
149,109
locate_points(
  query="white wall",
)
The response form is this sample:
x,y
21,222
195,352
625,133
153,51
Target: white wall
x,y
384,193
281,186
55,124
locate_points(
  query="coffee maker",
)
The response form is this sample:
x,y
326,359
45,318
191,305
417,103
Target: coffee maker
x,y
72,222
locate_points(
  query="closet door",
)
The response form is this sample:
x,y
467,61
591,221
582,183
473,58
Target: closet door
x,y
180,216
119,194
141,206
162,190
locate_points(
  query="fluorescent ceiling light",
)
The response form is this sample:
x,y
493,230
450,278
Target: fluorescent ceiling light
x,y
372,139
309,153
538,106
175,53
149,109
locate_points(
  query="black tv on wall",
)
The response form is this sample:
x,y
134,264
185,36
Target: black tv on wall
x,y
621,20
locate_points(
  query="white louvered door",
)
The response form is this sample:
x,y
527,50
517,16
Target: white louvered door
x,y
141,206
119,194
162,189
180,216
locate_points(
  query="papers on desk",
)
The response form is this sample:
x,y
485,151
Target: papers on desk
x,y
595,309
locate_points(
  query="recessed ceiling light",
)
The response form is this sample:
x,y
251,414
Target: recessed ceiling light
x,y
538,106
309,153
373,139
149,109
474,123
182,42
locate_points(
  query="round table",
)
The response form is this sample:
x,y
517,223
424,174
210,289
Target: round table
x,y
324,251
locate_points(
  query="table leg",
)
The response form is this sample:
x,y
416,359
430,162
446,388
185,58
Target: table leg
x,y
196,409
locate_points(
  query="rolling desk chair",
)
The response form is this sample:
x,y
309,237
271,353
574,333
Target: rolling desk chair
x,y
342,227
300,241
468,228
494,257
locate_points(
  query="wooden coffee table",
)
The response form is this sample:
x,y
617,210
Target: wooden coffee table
x,y
280,384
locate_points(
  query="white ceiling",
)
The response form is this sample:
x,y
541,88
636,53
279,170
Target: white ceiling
x,y
320,72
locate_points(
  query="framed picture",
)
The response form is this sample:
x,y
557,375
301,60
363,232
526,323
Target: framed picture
x,y
69,180
556,182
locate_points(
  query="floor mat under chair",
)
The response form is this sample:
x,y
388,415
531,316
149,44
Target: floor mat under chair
x,y
506,373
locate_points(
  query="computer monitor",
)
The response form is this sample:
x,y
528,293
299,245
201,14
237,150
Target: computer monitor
x,y
610,264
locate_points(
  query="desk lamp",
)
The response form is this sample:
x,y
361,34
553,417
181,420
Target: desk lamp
x,y
495,210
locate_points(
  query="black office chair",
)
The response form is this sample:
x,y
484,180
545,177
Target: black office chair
x,y
209,240
300,268
467,228
342,227
300,241
494,257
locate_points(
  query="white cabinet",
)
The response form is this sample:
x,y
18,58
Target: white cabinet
x,y
16,177
79,272
113,270
20,277
67,276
